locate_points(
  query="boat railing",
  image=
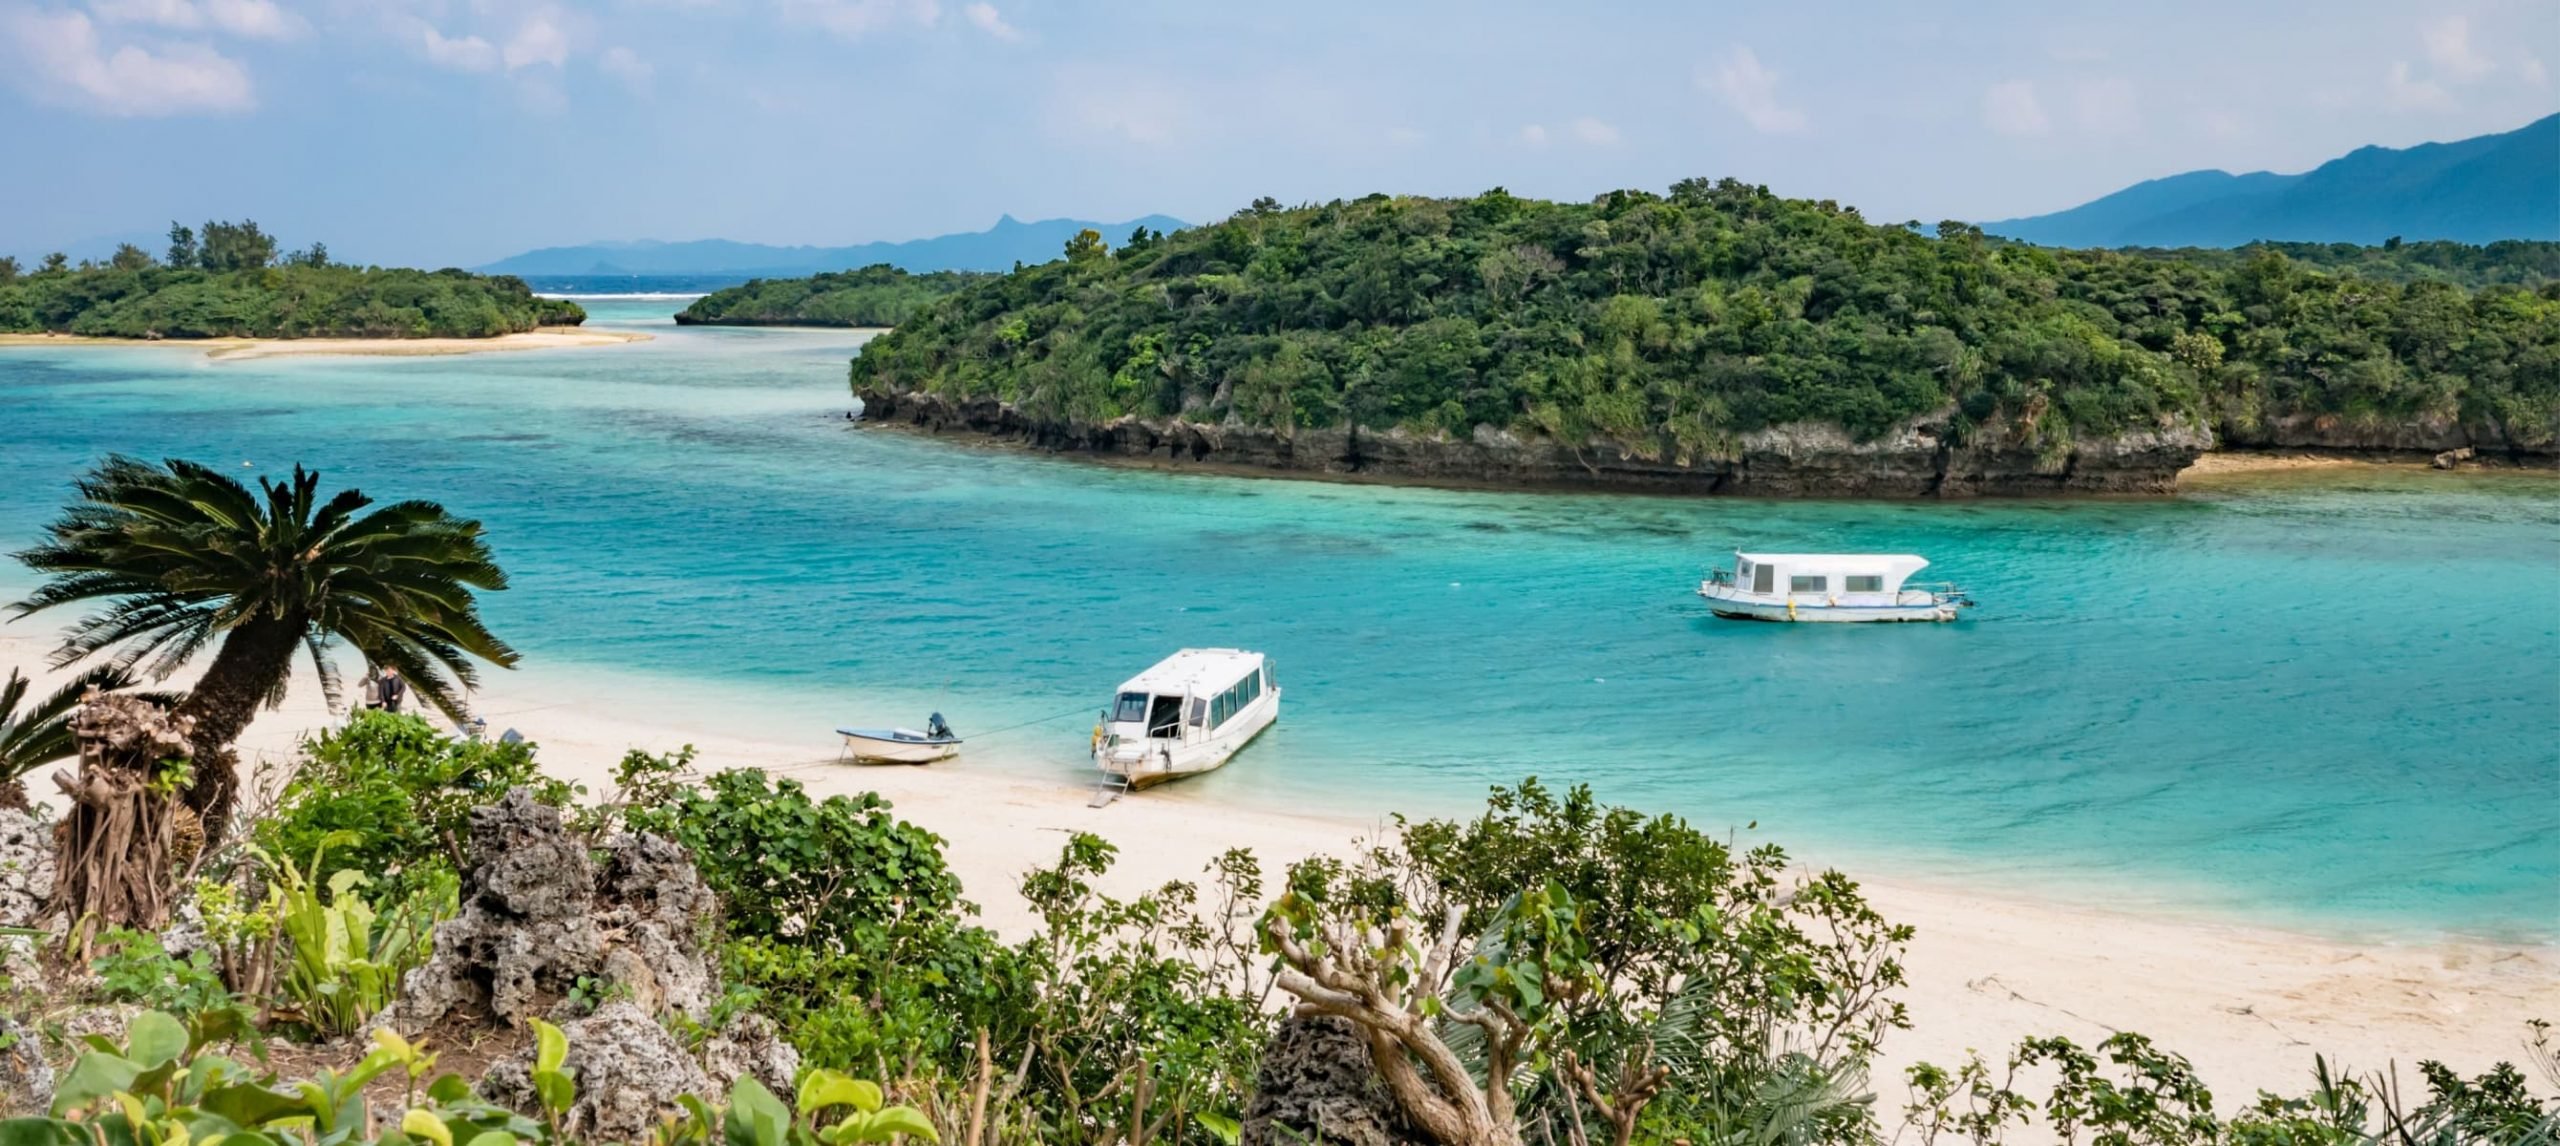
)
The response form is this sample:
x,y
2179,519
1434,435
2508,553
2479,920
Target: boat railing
x,y
1722,577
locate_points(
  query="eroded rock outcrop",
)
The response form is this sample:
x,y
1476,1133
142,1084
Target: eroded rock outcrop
x,y
26,867
537,915
1921,458
1317,1085
629,1071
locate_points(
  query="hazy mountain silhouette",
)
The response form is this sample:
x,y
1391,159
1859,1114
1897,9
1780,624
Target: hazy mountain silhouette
x,y
2478,190
994,249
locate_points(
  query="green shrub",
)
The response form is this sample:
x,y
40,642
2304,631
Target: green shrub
x,y
402,794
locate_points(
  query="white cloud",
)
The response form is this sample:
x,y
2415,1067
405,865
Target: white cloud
x,y
2403,90
1752,90
1595,132
538,40
2106,107
626,65
2012,109
252,19
63,61
1533,134
2449,49
462,54
854,19
2223,124
2531,70
991,22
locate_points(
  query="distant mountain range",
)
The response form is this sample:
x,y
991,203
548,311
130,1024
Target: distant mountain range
x,y
2478,190
995,249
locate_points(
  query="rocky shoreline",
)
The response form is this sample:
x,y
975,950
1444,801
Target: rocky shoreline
x,y
1915,460
1918,459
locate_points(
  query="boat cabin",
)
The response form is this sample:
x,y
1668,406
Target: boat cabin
x,y
1846,577
1190,695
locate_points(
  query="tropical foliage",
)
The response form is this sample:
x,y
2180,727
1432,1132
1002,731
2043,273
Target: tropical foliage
x,y
36,733
880,295
181,557
1670,323
228,281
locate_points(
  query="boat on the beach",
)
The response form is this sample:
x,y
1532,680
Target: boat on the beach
x,y
901,745
1189,714
1829,587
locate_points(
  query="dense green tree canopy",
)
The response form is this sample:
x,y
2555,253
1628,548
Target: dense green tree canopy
x,y
229,282
880,295
1672,322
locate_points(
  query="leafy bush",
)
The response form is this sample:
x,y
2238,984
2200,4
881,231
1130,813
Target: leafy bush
x,y
345,960
397,797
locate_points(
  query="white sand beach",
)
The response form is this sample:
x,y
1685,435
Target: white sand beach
x,y
2249,1005
546,338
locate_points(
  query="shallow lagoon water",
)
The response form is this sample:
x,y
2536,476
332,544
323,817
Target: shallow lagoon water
x,y
2320,700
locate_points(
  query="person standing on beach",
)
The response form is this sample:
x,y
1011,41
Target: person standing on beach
x,y
393,690
369,690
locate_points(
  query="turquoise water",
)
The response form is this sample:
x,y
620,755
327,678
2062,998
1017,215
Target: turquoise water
x,y
2323,701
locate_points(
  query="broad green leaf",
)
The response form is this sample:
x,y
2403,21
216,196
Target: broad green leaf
x,y
555,1090
426,1127
825,1088
898,1120
155,1038
448,1089
40,1132
97,1075
492,1138
250,1105
756,1117
1221,1127
550,1047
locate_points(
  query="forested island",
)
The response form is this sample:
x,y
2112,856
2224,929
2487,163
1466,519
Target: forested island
x,y
1721,337
229,281
878,295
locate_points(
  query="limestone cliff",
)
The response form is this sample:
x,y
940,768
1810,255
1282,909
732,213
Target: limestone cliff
x,y
1921,458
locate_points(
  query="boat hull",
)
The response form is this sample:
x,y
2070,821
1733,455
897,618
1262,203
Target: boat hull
x,y
1820,612
889,750
1145,764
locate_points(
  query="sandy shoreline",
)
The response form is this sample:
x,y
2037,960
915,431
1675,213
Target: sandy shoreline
x,y
546,338
2249,1004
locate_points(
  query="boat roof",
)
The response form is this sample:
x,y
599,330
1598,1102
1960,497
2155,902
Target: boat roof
x,y
1195,671
1902,563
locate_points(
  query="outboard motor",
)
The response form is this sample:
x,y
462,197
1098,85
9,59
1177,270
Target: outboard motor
x,y
936,728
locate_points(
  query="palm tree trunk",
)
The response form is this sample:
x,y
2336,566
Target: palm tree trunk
x,y
254,660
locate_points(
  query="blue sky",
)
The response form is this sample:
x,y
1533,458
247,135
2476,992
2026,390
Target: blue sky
x,y
458,131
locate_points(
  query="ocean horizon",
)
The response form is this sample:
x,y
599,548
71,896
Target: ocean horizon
x,y
2326,700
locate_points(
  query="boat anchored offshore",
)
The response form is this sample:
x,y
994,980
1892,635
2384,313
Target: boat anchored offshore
x,y
1829,587
901,745
1187,715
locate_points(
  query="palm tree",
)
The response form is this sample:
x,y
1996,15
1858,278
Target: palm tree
x,y
183,557
42,734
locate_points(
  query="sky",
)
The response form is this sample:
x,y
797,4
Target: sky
x,y
456,132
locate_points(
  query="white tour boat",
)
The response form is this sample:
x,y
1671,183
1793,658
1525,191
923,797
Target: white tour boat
x,y
1828,587
901,745
1187,715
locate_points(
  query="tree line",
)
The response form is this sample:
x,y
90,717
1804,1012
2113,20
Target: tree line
x,y
879,295
1669,324
228,280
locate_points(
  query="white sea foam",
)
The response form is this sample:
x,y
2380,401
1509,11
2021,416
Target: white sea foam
x,y
644,296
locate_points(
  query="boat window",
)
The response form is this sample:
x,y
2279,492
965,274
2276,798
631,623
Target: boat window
x,y
1132,709
1868,584
1164,716
1199,712
1762,577
1808,584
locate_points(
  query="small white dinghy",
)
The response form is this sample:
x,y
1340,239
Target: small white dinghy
x,y
1189,714
1828,587
900,745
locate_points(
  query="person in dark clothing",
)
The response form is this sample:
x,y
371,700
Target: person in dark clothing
x,y
394,690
